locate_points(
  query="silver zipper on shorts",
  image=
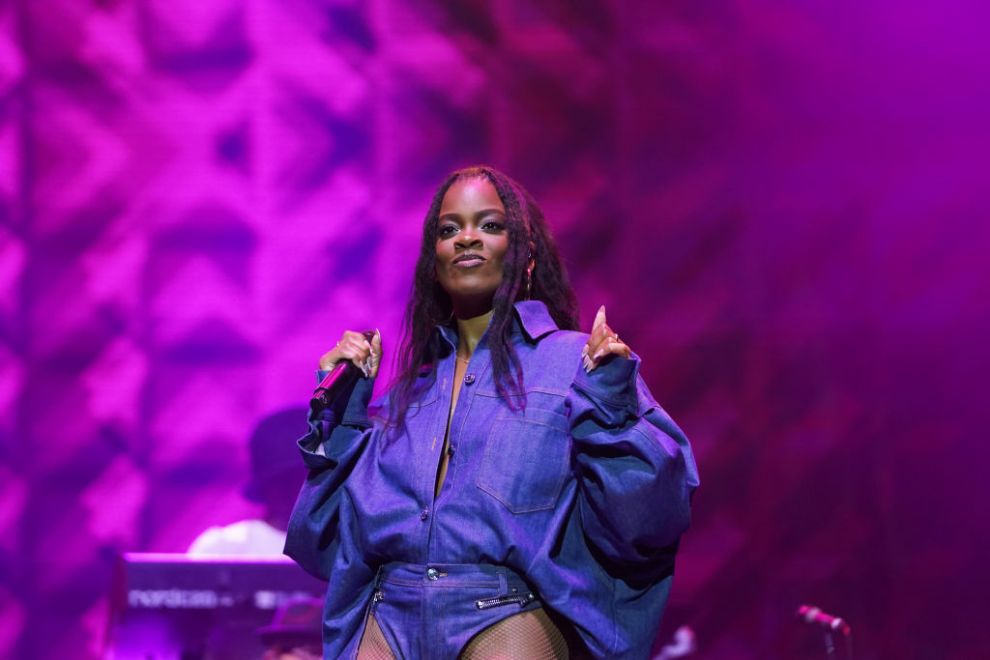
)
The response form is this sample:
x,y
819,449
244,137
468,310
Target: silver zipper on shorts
x,y
520,599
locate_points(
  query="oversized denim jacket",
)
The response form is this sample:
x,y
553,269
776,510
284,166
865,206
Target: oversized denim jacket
x,y
585,492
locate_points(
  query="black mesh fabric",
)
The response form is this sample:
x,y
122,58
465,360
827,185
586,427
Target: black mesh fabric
x,y
527,636
373,645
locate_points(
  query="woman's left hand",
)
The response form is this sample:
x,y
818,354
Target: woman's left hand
x,y
602,343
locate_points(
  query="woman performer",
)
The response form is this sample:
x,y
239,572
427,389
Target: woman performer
x,y
518,493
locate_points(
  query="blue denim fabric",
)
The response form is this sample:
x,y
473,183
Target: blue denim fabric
x,y
431,611
585,492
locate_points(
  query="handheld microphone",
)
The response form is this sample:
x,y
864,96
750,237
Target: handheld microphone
x,y
814,615
341,377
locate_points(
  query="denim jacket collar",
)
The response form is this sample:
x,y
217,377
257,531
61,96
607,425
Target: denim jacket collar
x,y
531,315
535,319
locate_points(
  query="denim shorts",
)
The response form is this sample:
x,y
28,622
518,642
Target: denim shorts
x,y
433,611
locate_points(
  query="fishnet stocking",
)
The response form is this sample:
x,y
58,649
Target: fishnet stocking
x,y
527,636
373,644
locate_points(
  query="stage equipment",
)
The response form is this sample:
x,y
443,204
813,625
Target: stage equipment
x,y
831,626
181,607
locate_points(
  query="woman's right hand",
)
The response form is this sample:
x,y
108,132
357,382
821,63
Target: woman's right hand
x,y
365,355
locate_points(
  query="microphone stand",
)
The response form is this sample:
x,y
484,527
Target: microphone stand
x,y
831,624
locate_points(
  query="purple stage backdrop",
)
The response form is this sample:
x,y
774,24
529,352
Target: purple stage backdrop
x,y
783,205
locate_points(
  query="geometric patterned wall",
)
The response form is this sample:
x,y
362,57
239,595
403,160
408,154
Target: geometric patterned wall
x,y
784,208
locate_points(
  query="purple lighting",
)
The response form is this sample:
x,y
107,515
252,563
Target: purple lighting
x,y
783,205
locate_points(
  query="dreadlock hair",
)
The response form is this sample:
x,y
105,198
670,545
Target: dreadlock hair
x,y
529,238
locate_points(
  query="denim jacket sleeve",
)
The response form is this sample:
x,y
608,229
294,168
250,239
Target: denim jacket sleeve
x,y
635,467
335,440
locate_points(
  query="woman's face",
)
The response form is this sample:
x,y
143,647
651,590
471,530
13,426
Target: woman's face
x,y
471,244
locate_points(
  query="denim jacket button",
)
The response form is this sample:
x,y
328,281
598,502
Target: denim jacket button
x,y
424,514
468,379
432,573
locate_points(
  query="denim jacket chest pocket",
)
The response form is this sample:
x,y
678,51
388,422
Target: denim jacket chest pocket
x,y
527,454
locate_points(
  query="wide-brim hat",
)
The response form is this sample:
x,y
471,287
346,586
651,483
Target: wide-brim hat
x,y
273,451
299,619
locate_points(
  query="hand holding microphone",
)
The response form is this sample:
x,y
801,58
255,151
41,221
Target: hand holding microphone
x,y
363,349
356,354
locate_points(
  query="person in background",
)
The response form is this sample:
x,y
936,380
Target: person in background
x,y
274,484
294,633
